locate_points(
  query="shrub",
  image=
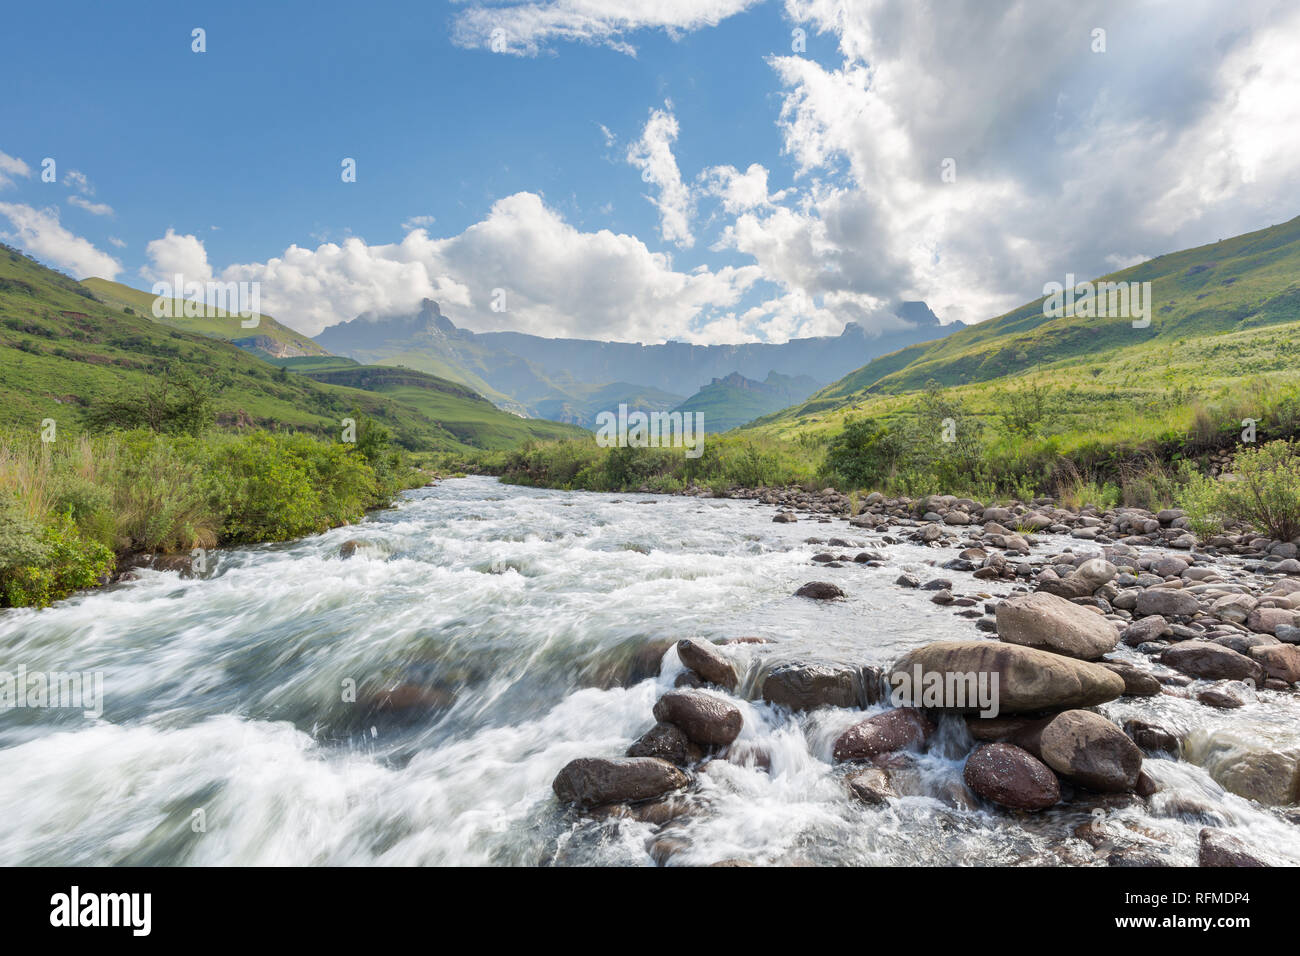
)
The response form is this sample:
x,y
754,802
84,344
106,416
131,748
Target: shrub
x,y
1264,489
56,562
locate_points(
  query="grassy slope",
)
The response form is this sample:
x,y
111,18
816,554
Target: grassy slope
x,y
61,350
1224,340
1245,282
470,417
120,296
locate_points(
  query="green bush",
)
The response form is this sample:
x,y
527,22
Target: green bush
x,y
1264,490
57,561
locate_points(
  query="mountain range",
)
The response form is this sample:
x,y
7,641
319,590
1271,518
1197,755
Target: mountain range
x,y
571,380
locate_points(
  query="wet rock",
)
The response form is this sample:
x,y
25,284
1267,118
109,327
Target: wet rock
x,y
1251,766
1137,682
348,548
1011,777
666,742
819,591
809,686
1211,662
908,581
708,662
1029,680
1146,786
1222,696
1088,750
1051,623
706,719
1151,736
871,786
594,781
899,729
1223,849
785,517
1280,661
1167,602
404,701
1021,731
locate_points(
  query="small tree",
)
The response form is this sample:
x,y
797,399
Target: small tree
x,y
176,402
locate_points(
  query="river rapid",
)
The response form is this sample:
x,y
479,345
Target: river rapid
x,y
229,733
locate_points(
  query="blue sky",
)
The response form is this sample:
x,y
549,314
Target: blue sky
x,y
227,163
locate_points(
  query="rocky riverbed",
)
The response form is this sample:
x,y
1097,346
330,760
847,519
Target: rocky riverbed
x,y
1081,646
494,675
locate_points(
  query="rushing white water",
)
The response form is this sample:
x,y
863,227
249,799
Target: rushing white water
x,y
226,736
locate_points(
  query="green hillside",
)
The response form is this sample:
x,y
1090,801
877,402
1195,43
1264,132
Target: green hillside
x,y
1234,285
62,350
471,418
268,338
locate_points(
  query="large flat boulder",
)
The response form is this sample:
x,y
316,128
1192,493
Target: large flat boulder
x,y
1027,680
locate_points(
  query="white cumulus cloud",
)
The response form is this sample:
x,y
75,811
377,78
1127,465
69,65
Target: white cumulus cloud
x,y
39,232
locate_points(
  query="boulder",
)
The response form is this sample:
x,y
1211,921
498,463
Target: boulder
x,y
1266,620
871,786
1096,572
1151,736
1211,662
1262,768
1087,749
819,591
1051,623
667,742
707,661
1281,661
809,686
886,732
1011,777
1150,628
1137,682
706,719
594,781
1234,607
1223,849
1167,602
1028,680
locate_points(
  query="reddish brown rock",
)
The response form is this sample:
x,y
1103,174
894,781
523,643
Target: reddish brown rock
x,y
706,719
1011,777
898,729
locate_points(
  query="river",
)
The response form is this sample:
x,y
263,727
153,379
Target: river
x,y
228,735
